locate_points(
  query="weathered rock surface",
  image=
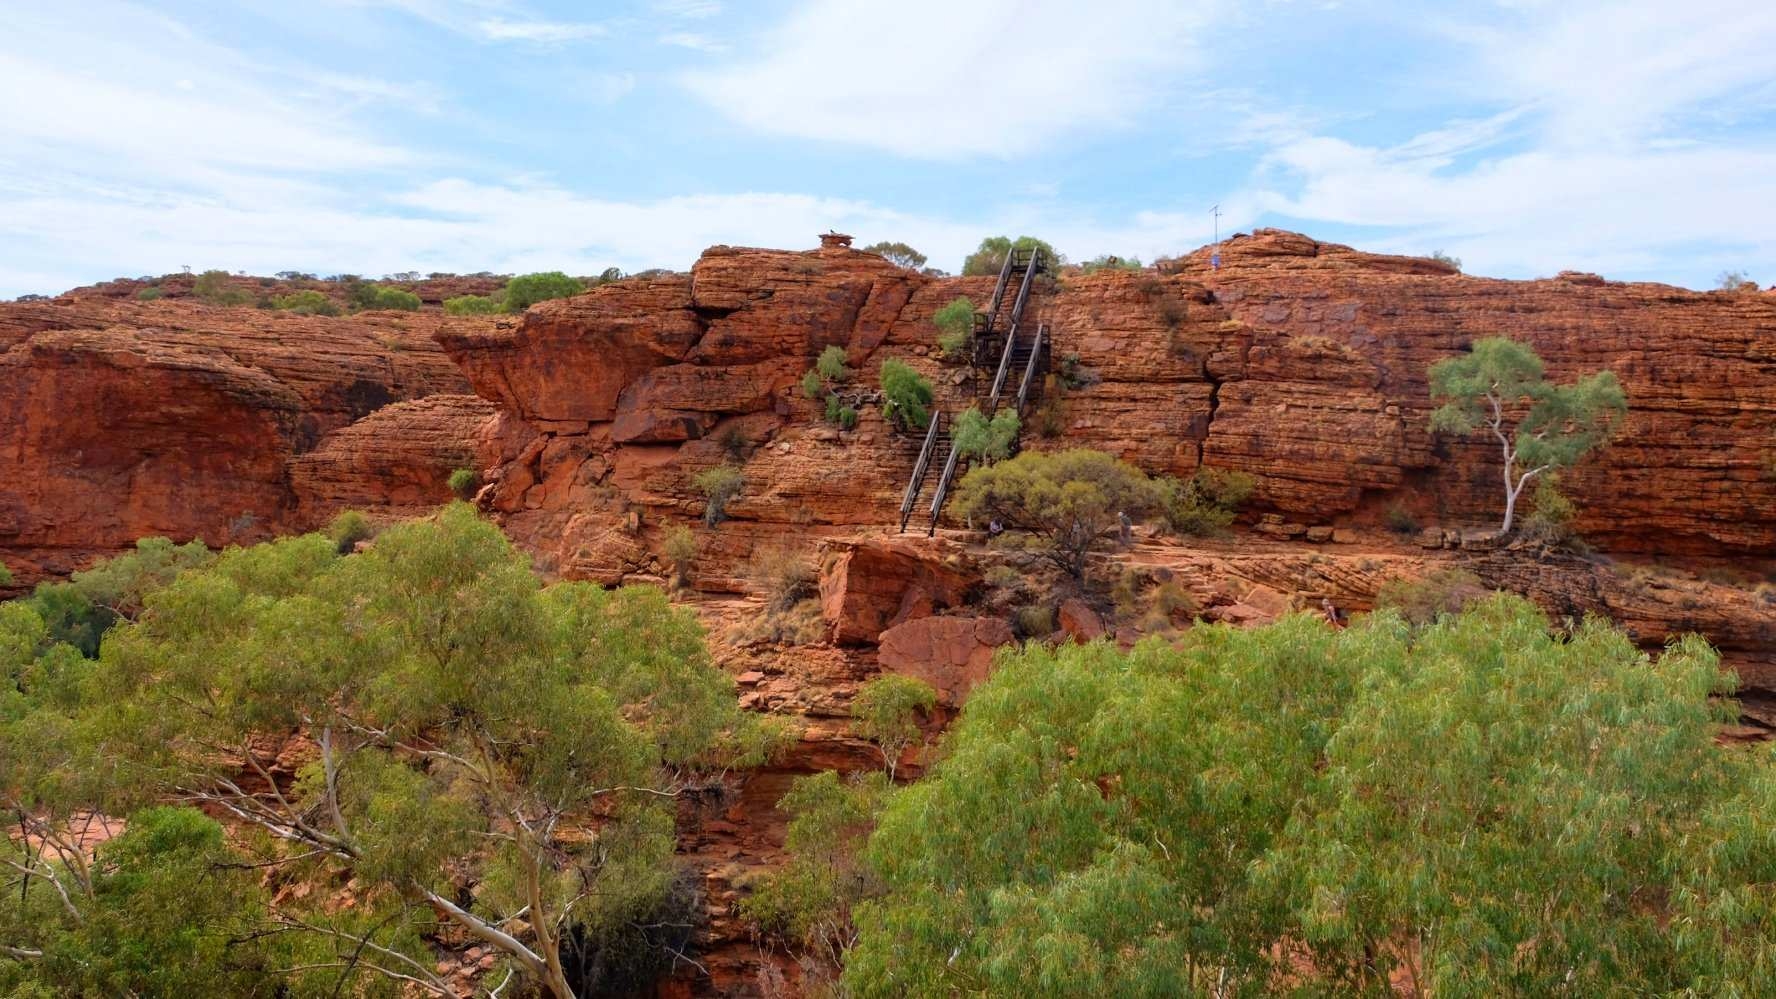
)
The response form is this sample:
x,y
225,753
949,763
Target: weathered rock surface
x,y
953,654
871,585
120,420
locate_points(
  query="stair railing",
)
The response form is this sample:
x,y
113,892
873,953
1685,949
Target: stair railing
x,y
919,468
1030,369
1011,331
943,486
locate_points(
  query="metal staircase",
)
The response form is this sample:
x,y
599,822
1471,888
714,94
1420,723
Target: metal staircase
x,y
1015,359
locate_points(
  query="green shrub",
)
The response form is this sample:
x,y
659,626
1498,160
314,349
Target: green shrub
x,y
990,256
1443,258
846,417
1067,502
984,439
474,305
1488,806
831,365
812,385
1109,262
718,485
1551,516
1035,621
1422,601
886,711
529,289
349,528
784,577
1401,521
5,575
1207,503
364,295
955,328
906,395
215,288
463,482
150,293
306,303
680,549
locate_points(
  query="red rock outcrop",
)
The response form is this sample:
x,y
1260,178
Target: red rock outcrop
x,y
120,420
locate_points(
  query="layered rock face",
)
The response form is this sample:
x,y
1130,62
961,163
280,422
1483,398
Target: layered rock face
x,y
120,420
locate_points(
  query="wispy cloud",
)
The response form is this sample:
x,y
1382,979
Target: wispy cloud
x,y
500,29
692,40
939,80
689,9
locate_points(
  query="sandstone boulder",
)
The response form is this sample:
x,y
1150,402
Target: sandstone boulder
x,y
871,585
953,654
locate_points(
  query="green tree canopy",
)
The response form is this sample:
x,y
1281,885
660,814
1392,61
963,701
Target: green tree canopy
x,y
906,395
1067,500
955,327
463,719
1482,807
898,254
989,257
526,290
976,436
1540,426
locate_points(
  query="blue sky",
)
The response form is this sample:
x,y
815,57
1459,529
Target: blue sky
x,y
1636,138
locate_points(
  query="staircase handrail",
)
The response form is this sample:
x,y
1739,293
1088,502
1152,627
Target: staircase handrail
x,y
999,286
943,486
919,468
1017,314
1030,368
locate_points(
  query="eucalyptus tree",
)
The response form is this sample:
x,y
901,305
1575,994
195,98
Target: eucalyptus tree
x,y
1540,426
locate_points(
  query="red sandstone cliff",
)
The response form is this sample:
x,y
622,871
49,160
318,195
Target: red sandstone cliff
x,y
120,420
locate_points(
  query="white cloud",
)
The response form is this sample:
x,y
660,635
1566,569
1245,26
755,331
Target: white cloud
x,y
499,29
689,9
692,40
937,79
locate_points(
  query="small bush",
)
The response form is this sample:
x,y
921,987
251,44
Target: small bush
x,y
150,293
988,440
1034,621
1735,281
215,288
812,386
364,295
680,550
1401,521
846,417
349,528
1443,258
733,442
831,365
1110,262
718,485
529,289
800,624
463,482
5,575
1003,577
474,305
1423,601
907,395
784,577
306,303
1551,519
1205,504
955,328
886,711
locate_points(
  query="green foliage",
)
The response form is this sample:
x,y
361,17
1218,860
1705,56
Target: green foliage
x,y
349,528
215,288
1205,504
5,575
846,417
1443,258
362,295
1401,521
527,290
462,713
984,439
1067,500
718,485
79,611
813,386
886,711
463,482
808,902
153,914
906,395
955,328
1735,281
898,254
784,577
1551,515
306,303
990,256
474,305
1422,601
150,293
1109,262
831,364
1478,808
680,549
1562,423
